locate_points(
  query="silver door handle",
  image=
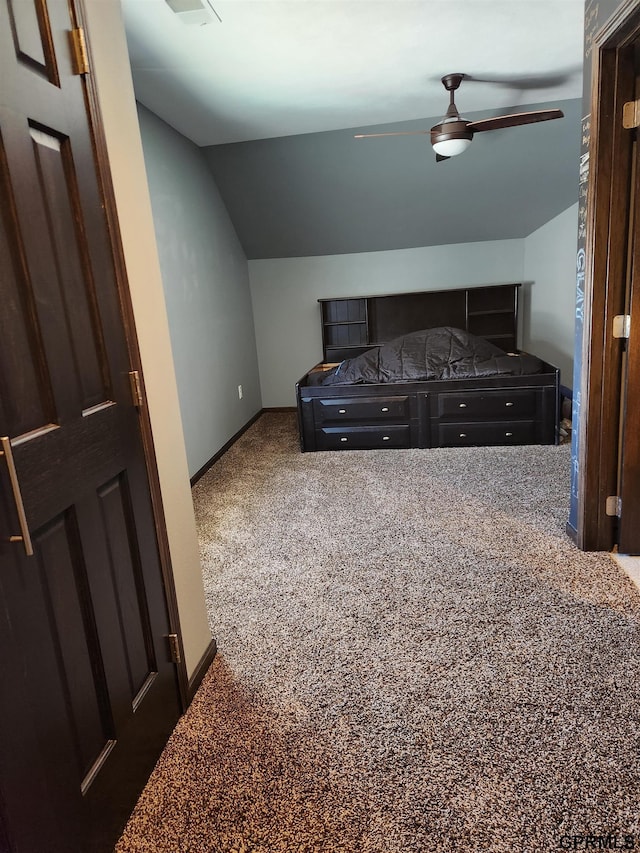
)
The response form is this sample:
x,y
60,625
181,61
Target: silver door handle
x,y
25,538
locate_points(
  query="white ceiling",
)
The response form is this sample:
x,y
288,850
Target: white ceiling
x,y
275,68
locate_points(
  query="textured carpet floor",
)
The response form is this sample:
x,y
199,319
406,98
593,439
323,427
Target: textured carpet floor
x,y
412,657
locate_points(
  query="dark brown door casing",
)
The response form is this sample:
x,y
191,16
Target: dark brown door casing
x,y
608,456
629,467
89,694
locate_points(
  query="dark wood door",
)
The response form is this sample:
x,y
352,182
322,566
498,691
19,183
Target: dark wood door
x,y
89,693
629,465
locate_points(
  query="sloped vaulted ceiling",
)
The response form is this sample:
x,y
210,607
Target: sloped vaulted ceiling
x,y
328,193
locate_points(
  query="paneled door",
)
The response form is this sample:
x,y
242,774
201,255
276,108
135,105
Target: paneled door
x,y
89,693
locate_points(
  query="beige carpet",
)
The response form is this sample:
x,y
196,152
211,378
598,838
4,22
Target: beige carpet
x,y
412,657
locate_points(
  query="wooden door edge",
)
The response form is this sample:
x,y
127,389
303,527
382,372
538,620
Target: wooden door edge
x,y
111,213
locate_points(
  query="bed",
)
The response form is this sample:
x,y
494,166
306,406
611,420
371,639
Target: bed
x,y
427,369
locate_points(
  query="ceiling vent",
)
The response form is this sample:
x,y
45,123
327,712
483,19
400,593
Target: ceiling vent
x,y
194,13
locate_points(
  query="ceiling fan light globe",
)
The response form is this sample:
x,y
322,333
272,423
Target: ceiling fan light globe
x,y
451,147
451,136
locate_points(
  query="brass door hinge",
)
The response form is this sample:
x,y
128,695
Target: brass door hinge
x,y
174,648
136,389
79,51
613,506
631,115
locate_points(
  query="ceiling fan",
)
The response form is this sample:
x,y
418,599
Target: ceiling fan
x,y
453,134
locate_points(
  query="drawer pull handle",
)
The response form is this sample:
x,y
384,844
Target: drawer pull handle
x,y
344,439
385,408
462,405
508,404
385,438
463,435
342,411
508,434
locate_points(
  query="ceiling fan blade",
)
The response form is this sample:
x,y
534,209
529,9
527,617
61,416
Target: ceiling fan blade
x,y
440,158
514,120
528,82
391,133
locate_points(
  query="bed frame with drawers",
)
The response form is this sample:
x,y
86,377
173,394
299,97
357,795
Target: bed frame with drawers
x,y
499,410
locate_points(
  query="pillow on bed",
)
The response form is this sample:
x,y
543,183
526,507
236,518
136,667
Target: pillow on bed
x,y
440,353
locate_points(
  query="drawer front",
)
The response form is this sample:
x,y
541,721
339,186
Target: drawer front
x,y
361,408
518,403
364,437
496,433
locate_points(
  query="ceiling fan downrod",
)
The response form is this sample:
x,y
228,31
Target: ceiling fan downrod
x,y
451,136
451,83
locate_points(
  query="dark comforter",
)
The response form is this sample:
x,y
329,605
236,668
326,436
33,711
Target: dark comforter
x,y
441,353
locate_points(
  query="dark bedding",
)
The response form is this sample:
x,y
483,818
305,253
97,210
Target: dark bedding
x,y
441,353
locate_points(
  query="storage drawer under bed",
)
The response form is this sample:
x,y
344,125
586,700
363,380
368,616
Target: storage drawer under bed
x,y
485,434
361,409
507,403
363,437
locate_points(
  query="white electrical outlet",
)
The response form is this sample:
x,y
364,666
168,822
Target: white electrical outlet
x,y
239,392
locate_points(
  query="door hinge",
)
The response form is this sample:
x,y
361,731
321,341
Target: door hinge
x,y
79,51
136,389
631,115
614,506
174,648
622,325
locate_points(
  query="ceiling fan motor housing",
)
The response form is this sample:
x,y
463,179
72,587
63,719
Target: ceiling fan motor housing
x,y
447,130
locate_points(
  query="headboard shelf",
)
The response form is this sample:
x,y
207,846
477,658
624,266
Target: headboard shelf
x,y
353,324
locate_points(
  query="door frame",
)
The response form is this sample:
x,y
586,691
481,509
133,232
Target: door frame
x,y
186,687
612,83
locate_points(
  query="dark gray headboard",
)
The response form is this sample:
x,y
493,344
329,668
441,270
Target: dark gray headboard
x,y
353,324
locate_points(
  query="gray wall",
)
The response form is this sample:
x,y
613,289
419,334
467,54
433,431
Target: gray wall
x,y
285,293
206,285
549,309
